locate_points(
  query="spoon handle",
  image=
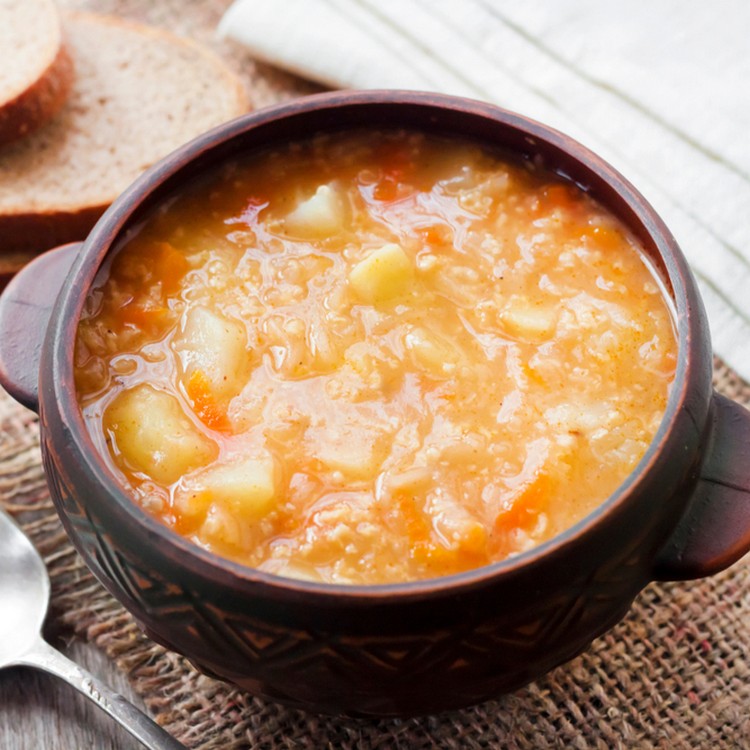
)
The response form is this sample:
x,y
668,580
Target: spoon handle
x,y
148,732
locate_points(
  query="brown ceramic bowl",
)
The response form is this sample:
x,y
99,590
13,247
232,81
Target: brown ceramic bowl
x,y
395,649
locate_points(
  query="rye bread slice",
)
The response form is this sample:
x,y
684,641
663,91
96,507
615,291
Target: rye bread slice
x,y
138,94
36,71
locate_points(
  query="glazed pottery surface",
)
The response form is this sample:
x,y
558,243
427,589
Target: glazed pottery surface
x,y
408,648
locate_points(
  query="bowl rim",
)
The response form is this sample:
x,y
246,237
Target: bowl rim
x,y
689,317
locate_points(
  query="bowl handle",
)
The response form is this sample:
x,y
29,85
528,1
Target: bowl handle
x,y
25,309
715,529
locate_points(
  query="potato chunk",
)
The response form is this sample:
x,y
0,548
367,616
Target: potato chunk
x,y
319,216
356,452
385,273
431,352
152,434
245,486
528,321
216,347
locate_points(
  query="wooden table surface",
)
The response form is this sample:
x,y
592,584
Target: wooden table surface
x,y
40,712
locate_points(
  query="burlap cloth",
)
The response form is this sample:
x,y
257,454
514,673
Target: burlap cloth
x,y
674,674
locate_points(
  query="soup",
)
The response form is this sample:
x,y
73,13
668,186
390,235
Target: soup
x,y
374,357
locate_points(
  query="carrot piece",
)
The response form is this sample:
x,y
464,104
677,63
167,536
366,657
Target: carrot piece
x,y
523,514
169,266
564,197
386,190
440,559
209,412
604,237
417,528
436,234
152,263
426,551
156,269
532,500
148,318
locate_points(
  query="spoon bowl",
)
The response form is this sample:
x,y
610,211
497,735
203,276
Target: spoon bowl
x,y
24,597
24,592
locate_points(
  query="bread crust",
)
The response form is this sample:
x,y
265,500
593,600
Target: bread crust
x,y
36,232
27,232
41,101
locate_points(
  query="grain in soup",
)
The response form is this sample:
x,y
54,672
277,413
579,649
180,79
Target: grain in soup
x,y
375,357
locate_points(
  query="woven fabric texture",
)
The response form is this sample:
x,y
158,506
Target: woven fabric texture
x,y
675,673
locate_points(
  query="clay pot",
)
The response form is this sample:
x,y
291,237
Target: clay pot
x,y
409,648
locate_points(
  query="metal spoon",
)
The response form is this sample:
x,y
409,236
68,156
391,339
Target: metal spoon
x,y
24,596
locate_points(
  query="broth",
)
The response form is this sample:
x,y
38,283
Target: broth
x,y
375,357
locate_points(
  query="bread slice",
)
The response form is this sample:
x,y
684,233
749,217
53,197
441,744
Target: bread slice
x,y
36,71
138,94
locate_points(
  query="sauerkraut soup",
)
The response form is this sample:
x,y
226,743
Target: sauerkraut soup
x,y
375,357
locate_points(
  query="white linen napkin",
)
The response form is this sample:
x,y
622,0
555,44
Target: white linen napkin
x,y
660,90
